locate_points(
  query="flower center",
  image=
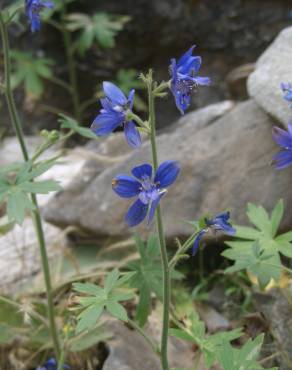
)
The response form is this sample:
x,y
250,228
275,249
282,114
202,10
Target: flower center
x,y
149,191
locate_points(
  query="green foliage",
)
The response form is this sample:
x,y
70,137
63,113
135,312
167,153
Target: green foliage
x,y
244,358
101,28
210,345
72,124
258,249
87,339
95,300
11,12
16,187
147,276
30,71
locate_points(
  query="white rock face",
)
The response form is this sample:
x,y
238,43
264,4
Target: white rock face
x,y
273,67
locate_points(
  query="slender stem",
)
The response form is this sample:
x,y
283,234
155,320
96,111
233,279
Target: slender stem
x,y
201,263
164,258
36,214
71,66
182,250
149,340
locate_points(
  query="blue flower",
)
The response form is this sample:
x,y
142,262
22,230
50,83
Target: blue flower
x,y
217,223
51,364
147,190
283,138
184,79
113,115
33,9
287,90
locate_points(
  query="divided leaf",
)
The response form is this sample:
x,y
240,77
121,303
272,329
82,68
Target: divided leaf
x,y
257,249
95,299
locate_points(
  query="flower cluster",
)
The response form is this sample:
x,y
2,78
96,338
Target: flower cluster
x,y
283,138
185,79
217,223
51,364
114,114
147,189
33,9
287,90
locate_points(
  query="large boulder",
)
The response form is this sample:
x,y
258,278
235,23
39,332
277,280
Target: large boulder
x,y
225,163
272,68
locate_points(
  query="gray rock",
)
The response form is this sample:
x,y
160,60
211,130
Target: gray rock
x,y
276,307
128,350
19,254
224,164
272,68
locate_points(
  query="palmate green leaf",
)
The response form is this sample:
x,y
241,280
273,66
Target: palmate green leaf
x,y
117,310
257,250
101,27
40,187
210,345
95,299
89,317
244,358
30,71
260,218
17,204
70,123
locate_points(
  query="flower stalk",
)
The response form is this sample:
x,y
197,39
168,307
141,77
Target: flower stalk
x,y
162,243
35,213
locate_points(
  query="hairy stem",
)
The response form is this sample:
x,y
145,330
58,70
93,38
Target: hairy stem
x,y
71,66
36,214
164,258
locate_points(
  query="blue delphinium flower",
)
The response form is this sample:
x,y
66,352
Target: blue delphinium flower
x,y
113,115
51,364
217,223
33,9
147,190
287,90
185,79
283,138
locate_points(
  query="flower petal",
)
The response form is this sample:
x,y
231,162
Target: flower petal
x,y
153,207
105,123
167,173
282,137
131,98
136,213
126,186
203,81
283,159
184,58
143,171
197,241
132,134
114,93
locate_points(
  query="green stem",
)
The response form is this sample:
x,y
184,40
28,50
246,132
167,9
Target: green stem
x,y
149,340
164,258
36,214
182,250
71,66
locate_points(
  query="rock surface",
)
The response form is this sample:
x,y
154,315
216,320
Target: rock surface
x,y
272,68
137,353
225,163
19,253
276,307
